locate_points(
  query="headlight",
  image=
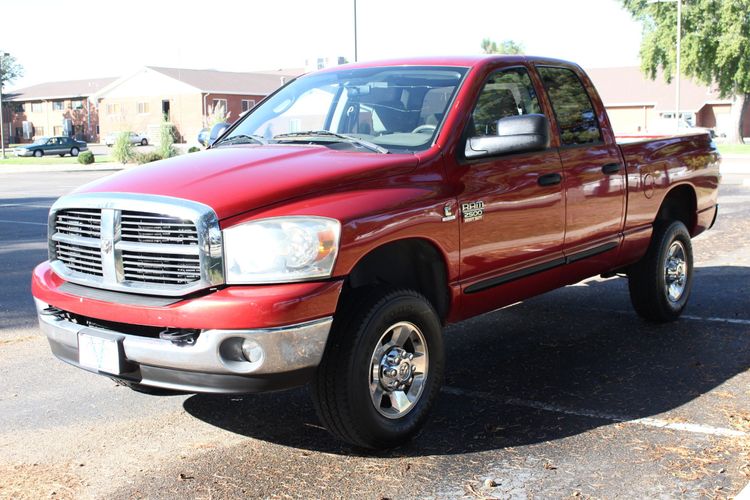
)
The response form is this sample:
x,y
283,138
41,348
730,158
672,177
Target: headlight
x,y
281,250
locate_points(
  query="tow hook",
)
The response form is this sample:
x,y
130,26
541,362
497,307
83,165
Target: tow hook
x,y
179,337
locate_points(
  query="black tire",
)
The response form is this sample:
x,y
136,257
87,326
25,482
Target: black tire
x,y
38,153
144,142
74,152
62,155
341,388
648,279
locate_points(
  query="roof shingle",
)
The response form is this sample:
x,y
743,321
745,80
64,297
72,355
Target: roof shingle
x,y
59,90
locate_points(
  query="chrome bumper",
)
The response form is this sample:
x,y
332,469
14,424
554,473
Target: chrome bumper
x,y
282,357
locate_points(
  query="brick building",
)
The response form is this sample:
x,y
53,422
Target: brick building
x,y
638,105
138,101
53,108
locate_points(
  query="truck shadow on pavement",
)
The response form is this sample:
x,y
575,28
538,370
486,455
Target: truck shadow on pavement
x,y
512,374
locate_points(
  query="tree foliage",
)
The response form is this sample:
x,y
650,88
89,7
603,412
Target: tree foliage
x,y
505,47
122,149
715,43
10,69
166,147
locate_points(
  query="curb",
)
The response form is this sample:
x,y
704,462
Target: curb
x,y
23,169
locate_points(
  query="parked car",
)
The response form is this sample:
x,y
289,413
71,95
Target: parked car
x,y
206,136
135,139
59,145
335,254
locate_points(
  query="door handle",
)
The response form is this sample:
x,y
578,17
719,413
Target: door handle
x,y
611,168
549,179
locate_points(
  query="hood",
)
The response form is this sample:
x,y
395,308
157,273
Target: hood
x,y
236,179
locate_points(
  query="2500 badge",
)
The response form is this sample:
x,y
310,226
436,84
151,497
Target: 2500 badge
x,y
472,211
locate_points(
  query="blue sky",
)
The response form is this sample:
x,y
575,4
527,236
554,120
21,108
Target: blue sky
x,y
62,40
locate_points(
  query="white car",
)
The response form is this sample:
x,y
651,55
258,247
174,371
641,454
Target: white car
x,y
135,139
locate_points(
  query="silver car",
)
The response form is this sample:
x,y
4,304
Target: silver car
x,y
135,139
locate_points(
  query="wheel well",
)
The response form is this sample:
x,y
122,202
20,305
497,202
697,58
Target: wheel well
x,y
679,204
413,263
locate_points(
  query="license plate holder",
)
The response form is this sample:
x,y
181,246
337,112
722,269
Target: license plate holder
x,y
101,352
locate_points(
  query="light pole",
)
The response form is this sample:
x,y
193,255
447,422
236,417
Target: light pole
x,y
3,55
677,59
677,80
355,30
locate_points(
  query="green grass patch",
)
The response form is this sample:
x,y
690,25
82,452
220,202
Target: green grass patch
x,y
734,149
11,159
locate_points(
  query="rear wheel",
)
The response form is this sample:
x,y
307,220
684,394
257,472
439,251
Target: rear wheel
x,y
382,369
74,152
660,283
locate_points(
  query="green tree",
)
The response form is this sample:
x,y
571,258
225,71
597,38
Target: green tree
x,y
10,69
505,47
715,46
122,150
166,140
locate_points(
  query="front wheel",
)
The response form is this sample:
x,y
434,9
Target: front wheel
x,y
38,153
144,142
660,283
382,369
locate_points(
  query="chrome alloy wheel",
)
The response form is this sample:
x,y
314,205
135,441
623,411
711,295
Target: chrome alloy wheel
x,y
675,271
398,370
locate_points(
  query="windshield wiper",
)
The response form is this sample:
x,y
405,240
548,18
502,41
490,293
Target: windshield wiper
x,y
325,133
241,139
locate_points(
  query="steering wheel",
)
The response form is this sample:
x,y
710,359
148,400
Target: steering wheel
x,y
424,129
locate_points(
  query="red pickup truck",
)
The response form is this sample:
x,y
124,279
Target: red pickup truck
x,y
328,235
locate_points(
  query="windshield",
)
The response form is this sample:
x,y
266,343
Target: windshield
x,y
41,140
398,109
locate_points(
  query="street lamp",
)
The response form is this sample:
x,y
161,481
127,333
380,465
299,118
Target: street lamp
x,y
3,55
355,30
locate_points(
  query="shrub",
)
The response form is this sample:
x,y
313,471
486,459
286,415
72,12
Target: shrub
x,y
122,151
194,149
166,140
141,158
86,158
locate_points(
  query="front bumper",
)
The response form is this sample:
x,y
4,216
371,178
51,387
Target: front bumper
x,y
22,152
287,356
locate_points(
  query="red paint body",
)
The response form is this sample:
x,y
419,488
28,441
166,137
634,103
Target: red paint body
x,y
383,198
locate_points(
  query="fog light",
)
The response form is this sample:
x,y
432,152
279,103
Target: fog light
x,y
252,351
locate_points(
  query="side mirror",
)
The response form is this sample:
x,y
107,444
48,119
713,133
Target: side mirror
x,y
515,134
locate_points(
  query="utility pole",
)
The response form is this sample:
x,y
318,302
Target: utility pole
x,y
2,115
677,80
355,30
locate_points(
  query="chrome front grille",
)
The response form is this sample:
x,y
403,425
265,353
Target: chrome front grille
x,y
80,258
144,227
136,243
162,268
85,223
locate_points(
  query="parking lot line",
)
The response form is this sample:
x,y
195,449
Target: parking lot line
x,y
647,421
734,321
21,222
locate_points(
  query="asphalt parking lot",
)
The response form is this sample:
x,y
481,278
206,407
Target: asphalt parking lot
x,y
568,394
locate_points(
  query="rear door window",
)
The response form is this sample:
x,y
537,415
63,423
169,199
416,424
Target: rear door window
x,y
576,118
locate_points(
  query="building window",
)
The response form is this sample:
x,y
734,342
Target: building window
x,y
58,105
77,105
247,104
113,109
36,107
57,130
19,107
142,108
19,133
220,103
38,131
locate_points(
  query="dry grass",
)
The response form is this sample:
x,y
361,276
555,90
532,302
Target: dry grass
x,y
36,481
